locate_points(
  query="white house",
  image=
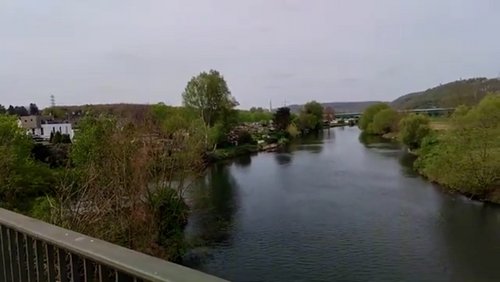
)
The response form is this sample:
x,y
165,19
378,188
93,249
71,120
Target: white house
x,y
42,127
48,128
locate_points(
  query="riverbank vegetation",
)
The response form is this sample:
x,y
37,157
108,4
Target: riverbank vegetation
x,y
466,157
124,176
463,155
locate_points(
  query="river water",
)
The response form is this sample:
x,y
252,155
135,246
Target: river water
x,y
337,208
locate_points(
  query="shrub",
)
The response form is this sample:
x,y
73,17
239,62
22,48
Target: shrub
x,y
413,129
384,121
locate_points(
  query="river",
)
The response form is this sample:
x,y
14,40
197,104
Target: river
x,y
336,208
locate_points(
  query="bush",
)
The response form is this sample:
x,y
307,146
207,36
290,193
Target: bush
x,y
43,208
413,129
466,157
369,114
384,121
244,137
292,130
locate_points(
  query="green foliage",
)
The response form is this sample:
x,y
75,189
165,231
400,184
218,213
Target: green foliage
x,y
369,114
384,121
33,109
462,92
256,115
461,111
293,131
55,112
466,156
43,208
65,139
138,201
232,152
93,137
413,129
311,117
314,108
17,111
20,176
244,137
174,118
282,118
57,138
209,95
3,110
171,215
307,122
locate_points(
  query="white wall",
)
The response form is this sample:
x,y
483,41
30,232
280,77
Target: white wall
x,y
63,128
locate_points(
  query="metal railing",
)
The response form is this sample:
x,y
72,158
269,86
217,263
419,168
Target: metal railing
x,y
35,251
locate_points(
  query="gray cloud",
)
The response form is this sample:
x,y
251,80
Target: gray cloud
x,y
329,50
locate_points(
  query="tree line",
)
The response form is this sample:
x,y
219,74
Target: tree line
x,y
32,109
464,157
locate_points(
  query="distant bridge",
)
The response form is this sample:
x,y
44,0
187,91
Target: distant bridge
x,y
429,112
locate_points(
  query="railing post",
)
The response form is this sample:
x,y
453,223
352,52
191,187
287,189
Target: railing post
x,y
21,254
76,262
5,260
40,271
61,259
31,259
51,273
13,255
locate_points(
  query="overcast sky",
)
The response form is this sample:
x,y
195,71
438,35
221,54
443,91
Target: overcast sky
x,y
144,51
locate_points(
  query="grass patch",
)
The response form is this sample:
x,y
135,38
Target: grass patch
x,y
232,152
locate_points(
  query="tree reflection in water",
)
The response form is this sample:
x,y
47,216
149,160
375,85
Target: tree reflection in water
x,y
213,204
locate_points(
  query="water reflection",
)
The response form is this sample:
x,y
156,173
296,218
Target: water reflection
x,y
283,158
215,202
243,161
370,140
347,214
462,222
406,161
312,143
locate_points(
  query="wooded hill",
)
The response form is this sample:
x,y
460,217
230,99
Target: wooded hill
x,y
461,92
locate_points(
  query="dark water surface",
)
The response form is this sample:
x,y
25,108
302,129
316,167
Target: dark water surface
x,y
335,209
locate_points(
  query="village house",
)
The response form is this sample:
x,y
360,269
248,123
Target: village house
x,y
43,127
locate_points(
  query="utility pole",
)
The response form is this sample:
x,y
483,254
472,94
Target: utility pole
x,y
270,106
52,101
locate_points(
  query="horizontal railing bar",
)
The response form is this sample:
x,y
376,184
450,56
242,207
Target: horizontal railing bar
x,y
116,257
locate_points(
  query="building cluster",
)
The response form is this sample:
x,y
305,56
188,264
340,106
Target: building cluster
x,y
43,127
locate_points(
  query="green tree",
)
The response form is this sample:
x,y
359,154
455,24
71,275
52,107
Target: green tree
x,y
369,114
413,129
20,176
57,138
307,122
209,94
315,109
2,110
461,111
384,121
282,118
293,131
33,109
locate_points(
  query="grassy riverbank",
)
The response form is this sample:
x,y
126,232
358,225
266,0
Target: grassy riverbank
x,y
232,152
461,152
